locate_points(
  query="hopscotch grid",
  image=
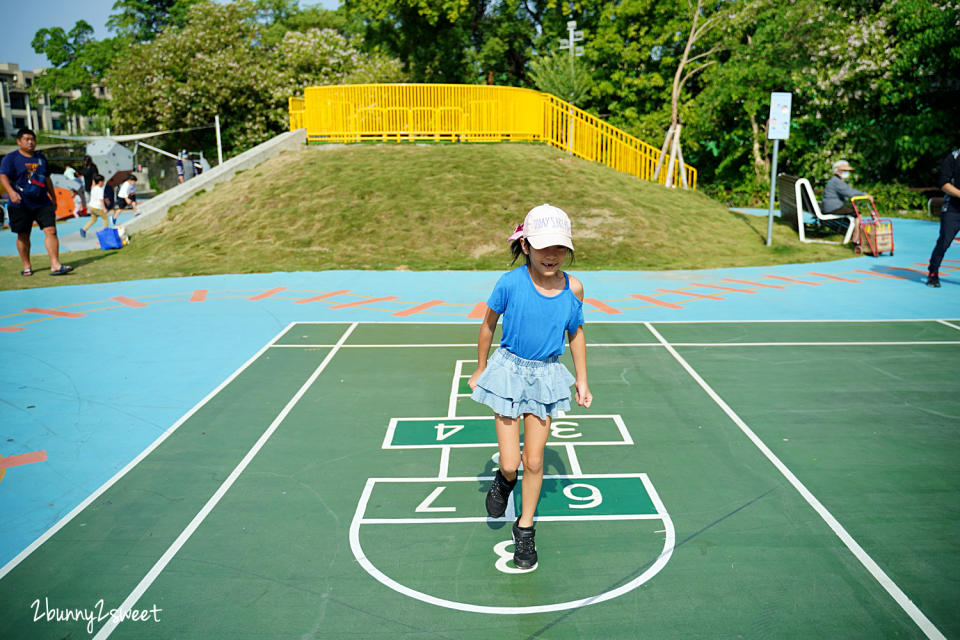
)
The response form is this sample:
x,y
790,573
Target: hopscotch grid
x,y
930,630
905,603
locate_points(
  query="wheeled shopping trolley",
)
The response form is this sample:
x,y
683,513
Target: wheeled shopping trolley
x,y
874,234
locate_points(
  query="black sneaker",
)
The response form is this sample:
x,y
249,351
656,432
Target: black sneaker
x,y
524,549
499,493
933,280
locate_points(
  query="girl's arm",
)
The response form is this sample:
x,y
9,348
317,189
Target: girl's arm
x,y
484,340
578,350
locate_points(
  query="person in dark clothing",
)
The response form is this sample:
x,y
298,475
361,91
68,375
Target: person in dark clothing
x,y
88,169
949,181
25,176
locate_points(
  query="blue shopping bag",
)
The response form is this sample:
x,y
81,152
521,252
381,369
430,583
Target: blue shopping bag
x,y
109,239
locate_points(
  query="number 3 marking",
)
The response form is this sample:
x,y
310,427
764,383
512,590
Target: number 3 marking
x,y
593,499
562,429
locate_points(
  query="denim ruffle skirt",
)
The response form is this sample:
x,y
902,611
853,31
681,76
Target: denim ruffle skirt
x,y
513,386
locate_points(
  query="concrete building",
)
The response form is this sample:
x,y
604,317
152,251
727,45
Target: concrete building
x,y
18,109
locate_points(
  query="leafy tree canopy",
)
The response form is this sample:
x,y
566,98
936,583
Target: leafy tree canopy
x,y
221,63
143,20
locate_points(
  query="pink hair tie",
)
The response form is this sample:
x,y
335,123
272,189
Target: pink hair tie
x,y
517,233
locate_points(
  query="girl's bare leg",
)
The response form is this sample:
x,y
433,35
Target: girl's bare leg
x,y
535,434
508,441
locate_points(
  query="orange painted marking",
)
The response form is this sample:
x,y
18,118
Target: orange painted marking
x,y
267,294
199,295
322,297
55,312
362,302
10,329
479,311
881,274
130,302
602,306
716,286
417,309
756,284
23,458
923,271
827,275
812,284
660,303
692,294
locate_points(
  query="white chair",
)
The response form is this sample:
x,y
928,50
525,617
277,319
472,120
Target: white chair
x,y
795,195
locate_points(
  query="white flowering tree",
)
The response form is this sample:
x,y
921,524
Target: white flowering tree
x,y
220,63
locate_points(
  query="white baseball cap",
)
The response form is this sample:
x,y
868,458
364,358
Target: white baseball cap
x,y
546,226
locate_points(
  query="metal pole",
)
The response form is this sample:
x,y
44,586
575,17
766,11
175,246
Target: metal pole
x,y
216,122
773,186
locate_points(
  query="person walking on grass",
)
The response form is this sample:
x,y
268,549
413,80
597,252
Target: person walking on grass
x,y
949,182
96,206
523,379
25,176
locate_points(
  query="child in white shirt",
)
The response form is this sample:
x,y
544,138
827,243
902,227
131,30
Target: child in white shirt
x,y
95,206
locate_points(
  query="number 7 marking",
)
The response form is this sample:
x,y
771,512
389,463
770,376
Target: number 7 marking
x,y
444,431
425,505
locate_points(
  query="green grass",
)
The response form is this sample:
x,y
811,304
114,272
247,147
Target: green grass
x,y
428,207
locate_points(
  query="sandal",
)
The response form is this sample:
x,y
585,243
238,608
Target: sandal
x,y
27,272
62,271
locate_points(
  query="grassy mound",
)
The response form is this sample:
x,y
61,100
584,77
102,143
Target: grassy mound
x,y
430,207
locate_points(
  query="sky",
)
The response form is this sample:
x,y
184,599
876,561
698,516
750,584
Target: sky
x,y
18,26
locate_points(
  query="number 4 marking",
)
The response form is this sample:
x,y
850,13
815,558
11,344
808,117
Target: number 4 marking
x,y
444,431
425,505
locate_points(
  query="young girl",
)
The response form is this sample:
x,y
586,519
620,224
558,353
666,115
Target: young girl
x,y
96,207
523,379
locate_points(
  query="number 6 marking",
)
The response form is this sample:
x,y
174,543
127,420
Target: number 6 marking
x,y
590,501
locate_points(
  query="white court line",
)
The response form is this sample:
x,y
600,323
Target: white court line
x,y
898,595
20,557
198,519
512,518
454,389
574,460
837,343
949,324
444,463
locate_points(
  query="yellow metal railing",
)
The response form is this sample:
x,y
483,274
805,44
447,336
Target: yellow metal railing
x,y
470,113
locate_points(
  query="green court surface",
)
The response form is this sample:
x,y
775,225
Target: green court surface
x,y
731,480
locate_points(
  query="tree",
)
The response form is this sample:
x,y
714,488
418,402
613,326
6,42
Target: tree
x,y
143,20
79,61
562,75
683,74
220,63
874,83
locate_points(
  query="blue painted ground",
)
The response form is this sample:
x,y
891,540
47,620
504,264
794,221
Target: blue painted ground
x,y
94,373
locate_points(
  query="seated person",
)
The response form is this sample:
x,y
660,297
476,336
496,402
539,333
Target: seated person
x,y
837,193
127,196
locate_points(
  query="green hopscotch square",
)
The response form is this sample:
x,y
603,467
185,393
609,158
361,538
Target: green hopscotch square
x,y
481,431
436,432
591,496
395,499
